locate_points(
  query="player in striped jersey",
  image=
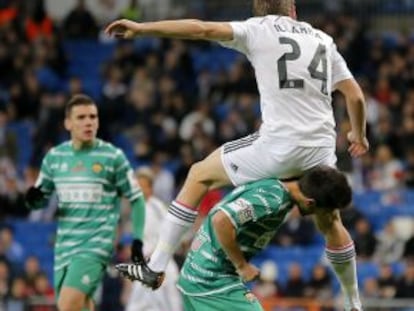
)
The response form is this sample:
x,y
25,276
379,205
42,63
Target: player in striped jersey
x,y
89,177
240,226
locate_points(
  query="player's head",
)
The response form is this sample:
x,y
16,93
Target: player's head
x,y
323,188
274,7
81,119
145,178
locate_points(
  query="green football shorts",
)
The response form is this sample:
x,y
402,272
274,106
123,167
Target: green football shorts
x,y
237,299
84,274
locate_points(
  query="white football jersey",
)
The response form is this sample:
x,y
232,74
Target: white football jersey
x,y
296,67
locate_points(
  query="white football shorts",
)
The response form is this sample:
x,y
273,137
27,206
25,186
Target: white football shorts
x,y
255,157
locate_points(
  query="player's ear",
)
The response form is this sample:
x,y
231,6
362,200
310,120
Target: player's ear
x,y
68,124
293,13
310,203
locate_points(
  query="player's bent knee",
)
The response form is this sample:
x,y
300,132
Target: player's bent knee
x,y
71,299
67,306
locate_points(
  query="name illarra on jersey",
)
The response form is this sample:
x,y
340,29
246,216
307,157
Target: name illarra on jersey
x,y
307,30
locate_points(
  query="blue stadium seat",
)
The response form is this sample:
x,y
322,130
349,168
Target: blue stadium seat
x,y
92,87
367,270
92,49
49,80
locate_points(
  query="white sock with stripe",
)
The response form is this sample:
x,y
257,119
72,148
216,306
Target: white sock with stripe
x,y
343,261
179,219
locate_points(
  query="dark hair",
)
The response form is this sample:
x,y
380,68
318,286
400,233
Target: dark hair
x,y
327,186
78,100
272,7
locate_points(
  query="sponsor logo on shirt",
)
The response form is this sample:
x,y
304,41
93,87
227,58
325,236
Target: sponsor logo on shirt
x,y
244,210
79,167
79,193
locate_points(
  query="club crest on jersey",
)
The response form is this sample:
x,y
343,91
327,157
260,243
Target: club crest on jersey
x,y
243,209
97,168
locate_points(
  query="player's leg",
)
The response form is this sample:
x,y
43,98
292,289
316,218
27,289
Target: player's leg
x,y
203,176
236,162
67,298
89,304
340,248
72,299
340,251
78,285
182,212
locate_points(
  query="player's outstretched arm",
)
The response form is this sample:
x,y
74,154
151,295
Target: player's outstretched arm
x,y
181,29
226,234
356,107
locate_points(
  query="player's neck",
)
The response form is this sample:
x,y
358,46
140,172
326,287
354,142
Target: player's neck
x,y
79,145
294,191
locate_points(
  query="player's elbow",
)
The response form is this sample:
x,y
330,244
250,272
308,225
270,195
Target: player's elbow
x,y
198,30
355,98
218,219
213,31
221,221
352,91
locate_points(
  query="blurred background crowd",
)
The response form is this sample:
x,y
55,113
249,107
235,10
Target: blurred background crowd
x,y
170,103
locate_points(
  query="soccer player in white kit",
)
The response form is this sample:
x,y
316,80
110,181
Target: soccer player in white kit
x,y
297,68
167,297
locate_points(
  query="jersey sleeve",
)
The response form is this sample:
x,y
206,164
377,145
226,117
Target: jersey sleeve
x,y
340,70
253,205
125,182
243,33
45,179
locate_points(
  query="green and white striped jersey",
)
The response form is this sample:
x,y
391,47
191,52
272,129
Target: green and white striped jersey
x,y
89,183
256,210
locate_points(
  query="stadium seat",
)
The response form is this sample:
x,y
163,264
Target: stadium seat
x,y
367,269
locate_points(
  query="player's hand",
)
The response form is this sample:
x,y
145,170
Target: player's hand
x,y
136,252
33,195
123,29
248,272
359,145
